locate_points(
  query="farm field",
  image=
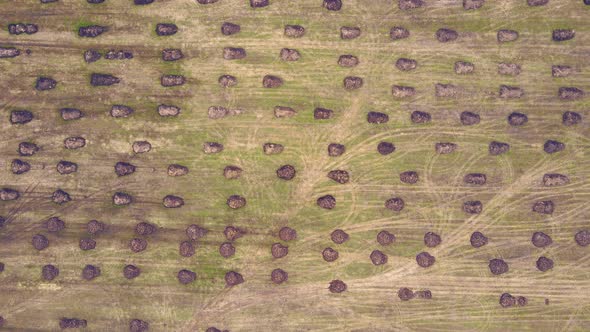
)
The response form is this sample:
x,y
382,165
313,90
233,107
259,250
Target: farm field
x,y
283,173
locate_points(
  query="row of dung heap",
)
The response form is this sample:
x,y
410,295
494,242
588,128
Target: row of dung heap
x,y
288,172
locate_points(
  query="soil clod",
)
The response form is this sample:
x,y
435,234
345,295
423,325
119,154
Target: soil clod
x,y
177,170
168,110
